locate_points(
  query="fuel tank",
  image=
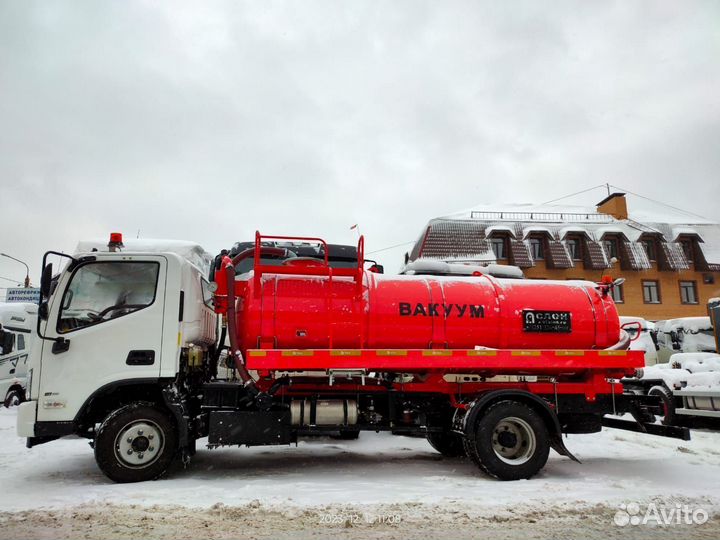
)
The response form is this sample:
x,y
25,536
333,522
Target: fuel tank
x,y
398,312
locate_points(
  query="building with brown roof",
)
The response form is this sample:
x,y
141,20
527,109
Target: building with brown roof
x,y
670,261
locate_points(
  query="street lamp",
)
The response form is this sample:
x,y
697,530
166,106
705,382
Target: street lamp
x,y
27,268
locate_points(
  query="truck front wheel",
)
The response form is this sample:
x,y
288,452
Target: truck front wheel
x,y
136,442
510,441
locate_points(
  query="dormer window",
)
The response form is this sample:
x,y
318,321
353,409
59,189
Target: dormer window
x,y
687,247
650,249
611,247
537,248
499,247
574,248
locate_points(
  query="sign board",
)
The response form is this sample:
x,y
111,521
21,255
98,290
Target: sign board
x,y
21,294
546,321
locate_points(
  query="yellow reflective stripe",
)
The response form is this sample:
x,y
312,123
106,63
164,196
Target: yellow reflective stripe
x,y
569,353
481,352
257,353
345,352
612,353
391,352
297,352
179,338
436,352
525,353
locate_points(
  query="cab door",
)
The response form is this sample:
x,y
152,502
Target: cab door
x,y
110,310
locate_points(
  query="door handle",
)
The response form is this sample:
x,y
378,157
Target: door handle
x,y
140,358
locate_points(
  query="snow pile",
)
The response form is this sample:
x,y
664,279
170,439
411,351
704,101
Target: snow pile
x,y
704,381
687,370
672,377
697,362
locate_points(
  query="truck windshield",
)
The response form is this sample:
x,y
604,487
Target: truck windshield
x,y
102,291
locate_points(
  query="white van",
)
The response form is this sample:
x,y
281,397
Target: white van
x,y
646,341
17,328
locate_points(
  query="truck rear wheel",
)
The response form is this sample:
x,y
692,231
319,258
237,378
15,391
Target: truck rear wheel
x,y
667,401
448,444
135,443
510,441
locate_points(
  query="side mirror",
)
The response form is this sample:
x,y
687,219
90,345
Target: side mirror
x,y
377,268
43,310
45,281
674,339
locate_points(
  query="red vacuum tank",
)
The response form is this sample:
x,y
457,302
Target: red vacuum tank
x,y
373,311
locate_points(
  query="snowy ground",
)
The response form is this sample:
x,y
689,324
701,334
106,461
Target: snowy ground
x,y
386,486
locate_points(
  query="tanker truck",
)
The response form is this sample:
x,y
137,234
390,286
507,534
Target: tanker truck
x,y
493,369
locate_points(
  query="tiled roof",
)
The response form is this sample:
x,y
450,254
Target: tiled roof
x,y
595,257
464,237
635,256
520,254
673,257
558,256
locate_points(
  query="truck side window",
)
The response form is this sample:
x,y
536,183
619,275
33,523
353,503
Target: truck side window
x,y
102,291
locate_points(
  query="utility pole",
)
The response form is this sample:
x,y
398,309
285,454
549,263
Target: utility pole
x,y
27,268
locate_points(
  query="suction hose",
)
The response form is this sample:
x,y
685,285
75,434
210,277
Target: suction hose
x,y
232,330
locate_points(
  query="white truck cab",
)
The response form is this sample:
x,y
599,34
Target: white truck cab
x,y
17,328
113,325
642,333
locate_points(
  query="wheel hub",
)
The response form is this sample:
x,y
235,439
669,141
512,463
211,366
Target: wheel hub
x,y
514,441
139,444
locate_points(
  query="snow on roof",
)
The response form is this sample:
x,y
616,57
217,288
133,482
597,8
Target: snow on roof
x,y
611,229
190,251
678,231
500,228
572,229
536,229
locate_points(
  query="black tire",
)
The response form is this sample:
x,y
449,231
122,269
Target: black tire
x,y
527,442
448,444
145,434
668,403
14,397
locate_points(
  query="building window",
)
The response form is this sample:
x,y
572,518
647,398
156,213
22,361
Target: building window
x,y
708,279
618,294
651,292
688,292
573,245
611,248
687,247
649,246
499,247
536,248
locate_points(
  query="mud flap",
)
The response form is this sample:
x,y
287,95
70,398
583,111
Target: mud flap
x,y
558,445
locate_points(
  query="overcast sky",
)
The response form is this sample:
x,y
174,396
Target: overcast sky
x,y
208,120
